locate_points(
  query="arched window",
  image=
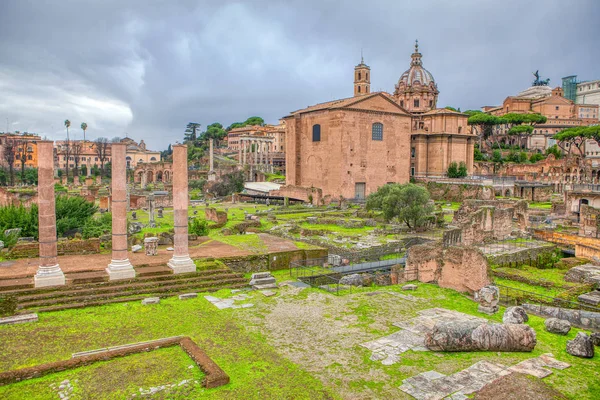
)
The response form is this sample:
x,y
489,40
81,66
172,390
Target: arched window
x,y
367,76
402,103
377,131
316,133
359,89
152,158
359,76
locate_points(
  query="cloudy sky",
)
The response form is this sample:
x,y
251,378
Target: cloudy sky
x,y
146,68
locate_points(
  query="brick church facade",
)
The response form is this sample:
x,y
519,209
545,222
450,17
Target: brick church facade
x,y
351,147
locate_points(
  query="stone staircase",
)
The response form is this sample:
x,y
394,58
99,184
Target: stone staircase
x,y
90,288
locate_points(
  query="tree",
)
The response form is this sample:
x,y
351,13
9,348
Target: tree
x,y
408,203
83,128
10,149
483,123
515,119
214,131
520,131
191,132
22,146
497,157
67,148
250,121
555,151
452,108
457,170
576,137
102,151
76,150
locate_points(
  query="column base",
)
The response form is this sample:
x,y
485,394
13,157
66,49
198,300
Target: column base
x,y
49,276
120,269
181,264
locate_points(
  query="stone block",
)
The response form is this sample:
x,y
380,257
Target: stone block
x,y
488,298
265,286
136,248
188,296
151,300
515,315
18,319
170,249
409,287
595,338
581,346
559,326
592,298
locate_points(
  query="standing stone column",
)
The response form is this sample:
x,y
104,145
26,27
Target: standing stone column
x,y
181,261
244,151
240,152
119,267
211,155
49,272
255,152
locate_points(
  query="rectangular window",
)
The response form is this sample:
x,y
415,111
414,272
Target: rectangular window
x,y
316,133
416,102
377,131
412,171
413,151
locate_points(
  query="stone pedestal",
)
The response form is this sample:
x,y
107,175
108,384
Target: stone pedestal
x,y
181,261
49,272
119,267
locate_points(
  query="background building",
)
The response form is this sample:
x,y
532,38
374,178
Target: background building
x,y
351,147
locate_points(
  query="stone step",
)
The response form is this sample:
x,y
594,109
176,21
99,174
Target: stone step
x,y
7,285
592,298
262,281
261,275
152,278
265,286
78,278
147,292
116,286
159,270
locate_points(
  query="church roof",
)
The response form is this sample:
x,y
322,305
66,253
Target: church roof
x,y
347,102
442,111
416,72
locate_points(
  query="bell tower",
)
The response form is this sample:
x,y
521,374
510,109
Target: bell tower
x,y
362,78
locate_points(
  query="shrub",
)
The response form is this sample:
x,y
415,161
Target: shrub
x,y
96,227
198,227
18,217
72,213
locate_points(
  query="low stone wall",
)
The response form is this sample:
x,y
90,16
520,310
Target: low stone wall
x,y
585,247
215,376
457,191
582,319
16,197
525,256
65,247
272,261
308,195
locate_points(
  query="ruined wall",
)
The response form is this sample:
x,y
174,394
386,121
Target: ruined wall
x,y
588,221
480,221
533,193
457,191
308,194
585,247
15,197
464,269
212,214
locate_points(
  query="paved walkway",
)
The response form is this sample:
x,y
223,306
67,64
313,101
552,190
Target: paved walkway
x,y
27,267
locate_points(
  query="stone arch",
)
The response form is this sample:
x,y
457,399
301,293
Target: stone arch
x,y
150,177
167,176
138,177
159,176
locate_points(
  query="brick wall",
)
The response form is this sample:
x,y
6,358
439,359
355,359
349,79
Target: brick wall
x,y
65,247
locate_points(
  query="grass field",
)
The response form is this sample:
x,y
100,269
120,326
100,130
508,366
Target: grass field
x,y
299,344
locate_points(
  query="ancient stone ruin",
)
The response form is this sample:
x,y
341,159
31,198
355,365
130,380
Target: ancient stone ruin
x,y
475,336
464,269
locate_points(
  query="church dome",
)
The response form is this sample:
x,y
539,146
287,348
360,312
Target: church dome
x,y
416,73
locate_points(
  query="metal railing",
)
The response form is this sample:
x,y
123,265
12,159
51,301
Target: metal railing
x,y
514,296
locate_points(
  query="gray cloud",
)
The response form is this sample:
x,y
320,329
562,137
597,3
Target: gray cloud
x,y
146,68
